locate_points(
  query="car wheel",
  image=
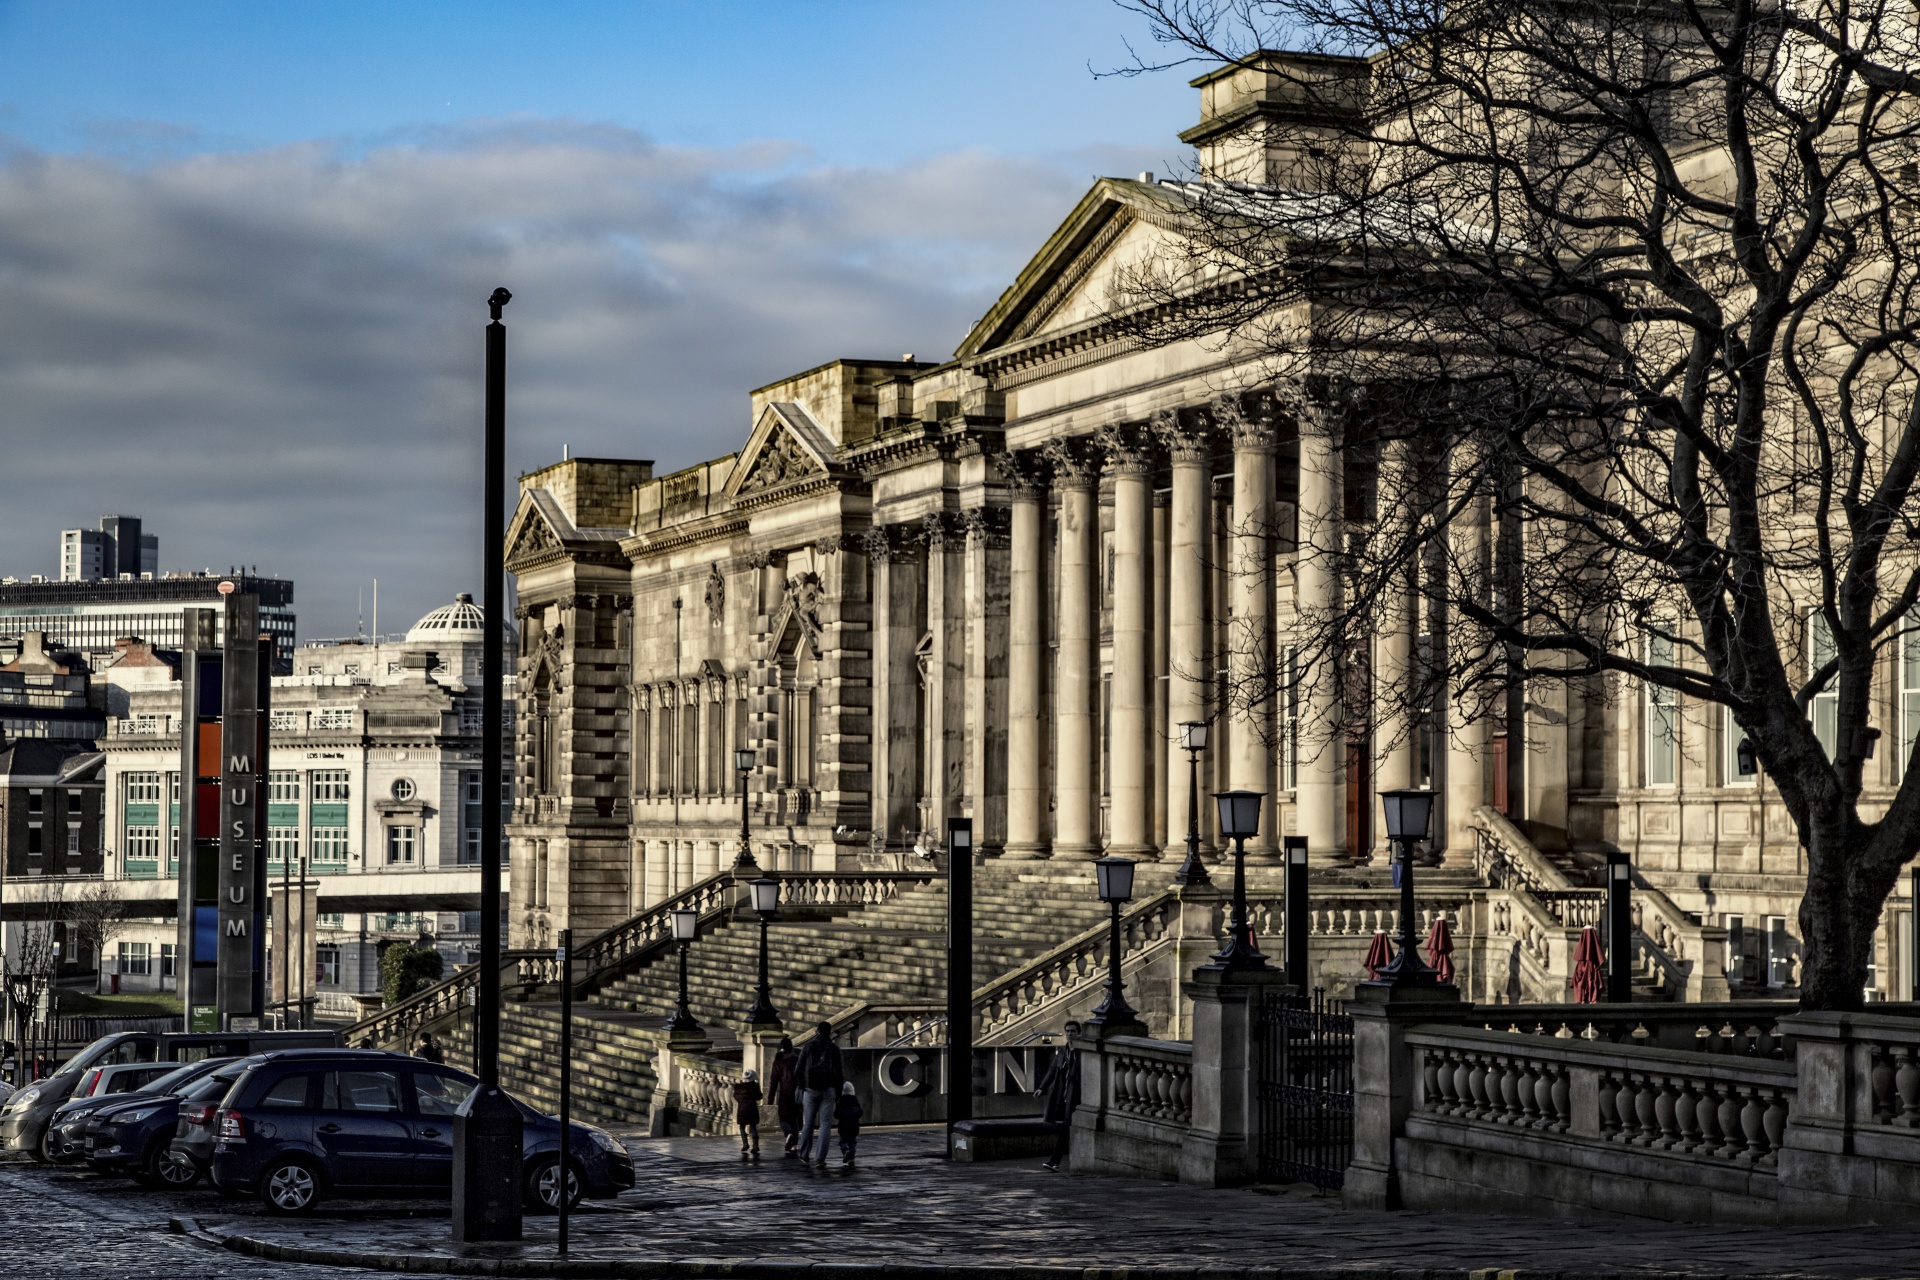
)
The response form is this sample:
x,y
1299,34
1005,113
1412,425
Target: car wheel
x,y
43,1149
290,1186
164,1171
543,1186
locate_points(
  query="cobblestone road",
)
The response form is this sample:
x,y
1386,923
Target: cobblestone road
x,y
697,1199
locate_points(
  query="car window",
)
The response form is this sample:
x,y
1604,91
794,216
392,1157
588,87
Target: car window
x,y
209,1089
176,1078
127,1081
287,1094
362,1091
437,1095
129,1051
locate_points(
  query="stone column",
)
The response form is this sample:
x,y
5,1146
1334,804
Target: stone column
x,y
1026,660
1190,565
1321,793
1396,754
987,623
1469,736
1385,1080
899,622
1251,637
1222,1146
947,610
1076,668
1158,677
1130,817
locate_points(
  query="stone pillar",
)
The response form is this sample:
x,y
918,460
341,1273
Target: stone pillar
x,y
947,610
1469,736
1222,1146
987,623
1076,666
1384,1082
899,606
1396,749
1158,677
1321,793
1026,661
1251,637
1130,817
1190,565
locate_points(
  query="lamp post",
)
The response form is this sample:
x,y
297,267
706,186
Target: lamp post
x,y
1619,929
1239,822
1409,814
1115,1017
959,974
682,1026
743,765
1193,740
766,900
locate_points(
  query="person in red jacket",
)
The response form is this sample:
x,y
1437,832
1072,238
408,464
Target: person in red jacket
x,y
746,1104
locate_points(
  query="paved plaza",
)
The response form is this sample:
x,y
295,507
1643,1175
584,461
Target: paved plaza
x,y
904,1205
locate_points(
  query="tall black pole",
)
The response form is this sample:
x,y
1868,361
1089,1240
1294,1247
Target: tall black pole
x,y
1619,929
1913,924
1295,927
487,1129
1193,871
566,1076
743,860
959,974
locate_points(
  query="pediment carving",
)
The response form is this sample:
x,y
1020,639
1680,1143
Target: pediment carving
x,y
783,461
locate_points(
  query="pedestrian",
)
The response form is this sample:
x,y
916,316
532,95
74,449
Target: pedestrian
x,y
847,1112
1060,1086
746,1101
785,1082
821,1073
429,1050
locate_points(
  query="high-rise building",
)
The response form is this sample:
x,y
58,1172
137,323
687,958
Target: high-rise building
x,y
91,616
117,549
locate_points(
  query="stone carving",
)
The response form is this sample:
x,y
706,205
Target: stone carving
x,y
1187,434
988,526
535,538
1075,465
781,462
1129,449
716,597
803,595
935,528
829,546
1251,425
1025,473
877,542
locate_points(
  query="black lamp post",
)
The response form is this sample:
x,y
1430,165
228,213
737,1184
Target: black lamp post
x,y
1115,1016
766,900
743,765
682,1026
959,974
1193,740
1239,822
1409,814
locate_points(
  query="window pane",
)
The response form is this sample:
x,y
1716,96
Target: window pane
x,y
287,1094
438,1095
362,1091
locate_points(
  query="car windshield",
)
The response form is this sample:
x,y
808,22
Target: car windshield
x,y
208,1090
176,1080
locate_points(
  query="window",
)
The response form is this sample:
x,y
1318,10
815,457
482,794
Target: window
x,y
333,719
1731,736
361,1091
73,839
143,788
285,722
283,786
1909,688
136,959
1779,953
36,801
330,845
331,920
331,786
143,844
351,669
437,1095
399,845
470,787
1825,710
283,844
1662,712
403,789
470,846
36,839
287,1094
166,959
472,715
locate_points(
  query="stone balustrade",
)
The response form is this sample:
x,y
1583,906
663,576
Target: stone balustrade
x,y
693,1094
1153,1080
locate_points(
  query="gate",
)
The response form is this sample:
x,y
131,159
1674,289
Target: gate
x,y
1305,1089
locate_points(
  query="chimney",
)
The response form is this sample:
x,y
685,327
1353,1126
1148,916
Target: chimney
x,y
1274,118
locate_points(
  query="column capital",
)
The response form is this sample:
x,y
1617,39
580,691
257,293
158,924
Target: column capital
x,y
988,526
938,527
1076,465
1128,447
1025,472
1186,434
883,542
1251,421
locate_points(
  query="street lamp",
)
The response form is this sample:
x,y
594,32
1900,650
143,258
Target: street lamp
x,y
1115,1016
682,1026
743,765
1239,822
1409,814
1193,740
766,900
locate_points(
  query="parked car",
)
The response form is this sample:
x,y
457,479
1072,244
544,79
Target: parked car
x,y
24,1119
302,1124
99,1087
192,1143
130,1135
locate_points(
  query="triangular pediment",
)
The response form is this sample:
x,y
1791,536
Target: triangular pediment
x,y
530,537
1069,281
787,447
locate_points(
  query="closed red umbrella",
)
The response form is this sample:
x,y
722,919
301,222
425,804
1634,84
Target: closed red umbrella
x,y
1440,949
1589,968
1379,956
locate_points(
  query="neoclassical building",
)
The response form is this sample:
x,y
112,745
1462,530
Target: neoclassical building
x,y
994,586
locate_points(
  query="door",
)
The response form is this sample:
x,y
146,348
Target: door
x,y
436,1096
363,1129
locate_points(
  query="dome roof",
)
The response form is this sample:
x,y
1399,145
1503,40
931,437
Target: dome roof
x,y
459,622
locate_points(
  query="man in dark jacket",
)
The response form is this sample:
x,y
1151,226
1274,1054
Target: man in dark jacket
x,y
821,1073
1060,1086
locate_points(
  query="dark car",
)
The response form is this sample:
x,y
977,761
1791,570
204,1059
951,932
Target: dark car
x,y
67,1130
302,1124
131,1135
24,1120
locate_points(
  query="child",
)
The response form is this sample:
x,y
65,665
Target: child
x,y
746,1101
847,1110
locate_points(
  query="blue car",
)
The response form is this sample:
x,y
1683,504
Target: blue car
x,y
130,1137
302,1124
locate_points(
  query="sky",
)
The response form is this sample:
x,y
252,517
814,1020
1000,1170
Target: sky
x,y
245,248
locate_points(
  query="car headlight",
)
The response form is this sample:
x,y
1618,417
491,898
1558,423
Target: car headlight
x,y
133,1117
606,1141
21,1101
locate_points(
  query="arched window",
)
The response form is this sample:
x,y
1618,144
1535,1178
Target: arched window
x,y
544,734
799,691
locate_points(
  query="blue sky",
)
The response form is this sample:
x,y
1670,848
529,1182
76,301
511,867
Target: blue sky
x,y
245,247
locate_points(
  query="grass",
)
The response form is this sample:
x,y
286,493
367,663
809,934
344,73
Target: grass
x,y
133,1004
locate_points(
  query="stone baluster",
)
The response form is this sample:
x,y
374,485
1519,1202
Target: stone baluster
x,y
1880,1084
1664,1114
1076,666
1529,1099
1432,1065
1562,1101
1753,1125
1686,1122
1706,1114
1732,1130
1511,1074
1477,1095
1906,1082
1607,1094
1773,1124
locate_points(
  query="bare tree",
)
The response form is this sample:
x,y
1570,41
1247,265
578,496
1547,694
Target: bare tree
x,y
95,917
1635,284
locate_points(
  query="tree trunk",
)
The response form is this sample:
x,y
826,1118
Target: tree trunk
x,y
1838,916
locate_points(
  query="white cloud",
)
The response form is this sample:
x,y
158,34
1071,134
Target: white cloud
x,y
273,356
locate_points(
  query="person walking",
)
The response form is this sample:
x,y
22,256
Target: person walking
x,y
746,1103
784,1080
1060,1086
821,1073
847,1112
429,1050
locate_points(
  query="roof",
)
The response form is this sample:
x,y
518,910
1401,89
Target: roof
x,y
461,621
54,758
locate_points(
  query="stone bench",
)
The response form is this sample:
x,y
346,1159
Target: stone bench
x,y
976,1140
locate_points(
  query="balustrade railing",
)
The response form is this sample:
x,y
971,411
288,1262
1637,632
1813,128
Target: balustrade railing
x,y
1151,1079
1748,1029
1074,965
1346,913
399,1025
706,1092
